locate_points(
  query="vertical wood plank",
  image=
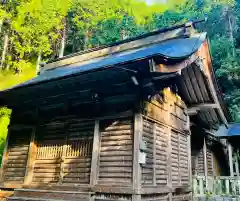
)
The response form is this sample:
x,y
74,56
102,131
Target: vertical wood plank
x,y
195,186
189,160
154,154
230,159
5,155
227,186
237,165
205,161
95,154
201,188
169,161
63,152
179,161
138,130
136,197
32,152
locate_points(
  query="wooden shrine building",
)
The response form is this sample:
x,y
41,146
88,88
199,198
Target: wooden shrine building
x,y
113,123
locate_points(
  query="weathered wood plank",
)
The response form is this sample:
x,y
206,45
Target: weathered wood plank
x,y
138,132
95,155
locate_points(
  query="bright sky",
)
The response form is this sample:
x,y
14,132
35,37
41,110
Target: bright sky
x,y
149,2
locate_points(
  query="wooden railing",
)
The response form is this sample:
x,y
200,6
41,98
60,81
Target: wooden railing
x,y
216,186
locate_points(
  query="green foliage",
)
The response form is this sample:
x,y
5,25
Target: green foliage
x,y
4,122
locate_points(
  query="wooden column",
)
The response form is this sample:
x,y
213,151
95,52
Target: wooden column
x,y
137,136
32,151
154,154
205,160
95,155
237,165
230,159
5,155
169,162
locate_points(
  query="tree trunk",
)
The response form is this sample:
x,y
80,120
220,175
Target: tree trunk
x,y
63,41
38,62
4,52
230,26
86,39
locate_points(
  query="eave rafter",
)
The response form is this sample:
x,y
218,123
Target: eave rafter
x,y
204,106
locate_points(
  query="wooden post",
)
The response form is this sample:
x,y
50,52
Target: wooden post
x,y
195,186
31,158
95,155
205,161
169,161
227,186
5,156
230,159
237,166
137,136
154,154
201,188
64,152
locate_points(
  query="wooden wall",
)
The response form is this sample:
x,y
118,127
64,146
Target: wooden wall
x,y
115,158
64,152
16,156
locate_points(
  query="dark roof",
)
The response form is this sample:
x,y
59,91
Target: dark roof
x,y
156,32
173,49
232,130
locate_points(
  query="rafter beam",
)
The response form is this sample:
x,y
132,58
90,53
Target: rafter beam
x,y
195,109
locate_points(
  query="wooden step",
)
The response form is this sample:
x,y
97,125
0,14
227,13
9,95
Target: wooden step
x,y
46,195
31,199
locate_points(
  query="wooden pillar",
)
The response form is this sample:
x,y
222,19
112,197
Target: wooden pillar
x,y
95,155
32,151
169,161
237,165
205,160
154,154
5,156
137,137
230,159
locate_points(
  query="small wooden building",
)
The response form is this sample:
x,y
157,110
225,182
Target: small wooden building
x,y
113,123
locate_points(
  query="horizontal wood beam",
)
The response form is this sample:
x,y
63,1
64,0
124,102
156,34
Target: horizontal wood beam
x,y
204,106
162,68
19,127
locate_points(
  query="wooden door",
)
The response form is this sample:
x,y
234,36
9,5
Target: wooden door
x,y
17,155
50,139
64,152
78,152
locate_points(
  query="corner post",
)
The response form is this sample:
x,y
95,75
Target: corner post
x,y
154,153
230,159
237,165
137,136
95,155
205,161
